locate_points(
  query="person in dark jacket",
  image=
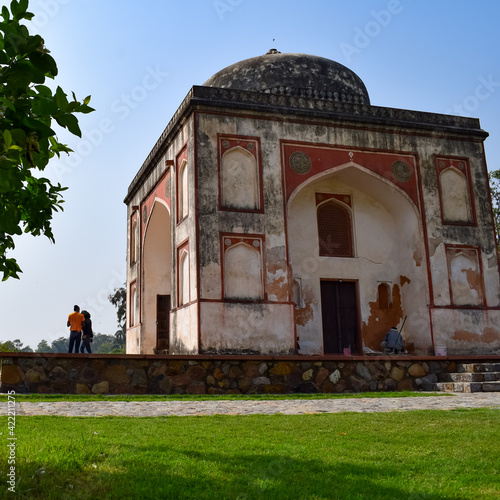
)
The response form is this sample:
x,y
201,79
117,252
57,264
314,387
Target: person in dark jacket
x,y
393,342
87,334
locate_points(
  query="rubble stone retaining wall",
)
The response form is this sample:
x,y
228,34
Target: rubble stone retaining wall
x,y
139,374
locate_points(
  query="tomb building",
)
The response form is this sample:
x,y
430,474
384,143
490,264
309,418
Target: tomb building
x,y
280,212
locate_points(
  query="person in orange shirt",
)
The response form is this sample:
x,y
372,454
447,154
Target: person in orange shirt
x,y
75,323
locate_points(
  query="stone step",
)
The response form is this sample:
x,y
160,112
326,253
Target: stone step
x,y
461,377
462,387
478,367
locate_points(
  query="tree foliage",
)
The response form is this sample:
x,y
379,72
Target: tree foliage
x,y
119,300
27,140
14,346
494,178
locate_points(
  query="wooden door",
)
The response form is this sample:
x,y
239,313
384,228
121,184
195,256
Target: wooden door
x,y
339,311
162,321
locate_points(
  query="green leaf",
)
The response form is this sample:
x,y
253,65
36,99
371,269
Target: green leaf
x,y
44,62
5,13
61,99
70,122
7,138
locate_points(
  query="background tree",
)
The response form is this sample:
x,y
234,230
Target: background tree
x,y
119,300
43,346
27,141
494,178
14,346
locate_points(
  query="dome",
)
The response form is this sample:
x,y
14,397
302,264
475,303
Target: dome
x,y
291,72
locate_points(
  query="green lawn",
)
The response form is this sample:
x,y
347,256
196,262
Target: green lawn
x,y
415,455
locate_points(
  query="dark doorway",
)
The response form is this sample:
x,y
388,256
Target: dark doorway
x,y
162,321
339,311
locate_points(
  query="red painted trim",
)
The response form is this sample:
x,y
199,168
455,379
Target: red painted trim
x,y
257,154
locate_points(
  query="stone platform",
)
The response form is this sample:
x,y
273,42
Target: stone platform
x,y
204,374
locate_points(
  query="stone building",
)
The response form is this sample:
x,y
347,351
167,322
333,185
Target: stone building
x,y
280,212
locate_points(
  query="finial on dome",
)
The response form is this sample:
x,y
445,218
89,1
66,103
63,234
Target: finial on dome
x,y
273,51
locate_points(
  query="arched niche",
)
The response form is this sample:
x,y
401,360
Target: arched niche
x,y
183,191
184,277
239,180
243,273
465,277
455,196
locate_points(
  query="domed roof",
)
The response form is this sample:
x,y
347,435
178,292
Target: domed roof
x,y
291,71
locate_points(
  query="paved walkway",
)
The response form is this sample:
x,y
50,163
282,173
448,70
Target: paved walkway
x,y
248,407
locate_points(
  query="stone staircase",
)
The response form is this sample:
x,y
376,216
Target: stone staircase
x,y
469,377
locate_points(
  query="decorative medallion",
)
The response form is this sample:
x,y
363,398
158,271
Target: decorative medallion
x,y
250,146
167,186
351,154
256,243
320,197
461,165
145,214
225,144
347,199
441,164
299,162
401,171
227,242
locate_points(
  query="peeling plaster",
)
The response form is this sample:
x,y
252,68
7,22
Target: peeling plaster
x,y
488,336
434,244
403,280
305,314
473,278
417,257
381,320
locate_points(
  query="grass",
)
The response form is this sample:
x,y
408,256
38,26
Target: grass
x,y
416,455
35,398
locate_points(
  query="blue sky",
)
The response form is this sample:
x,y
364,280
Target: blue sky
x,y
138,60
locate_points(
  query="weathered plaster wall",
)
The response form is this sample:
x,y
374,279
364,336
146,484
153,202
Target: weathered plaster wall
x,y
168,235
467,331
262,325
184,331
247,328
